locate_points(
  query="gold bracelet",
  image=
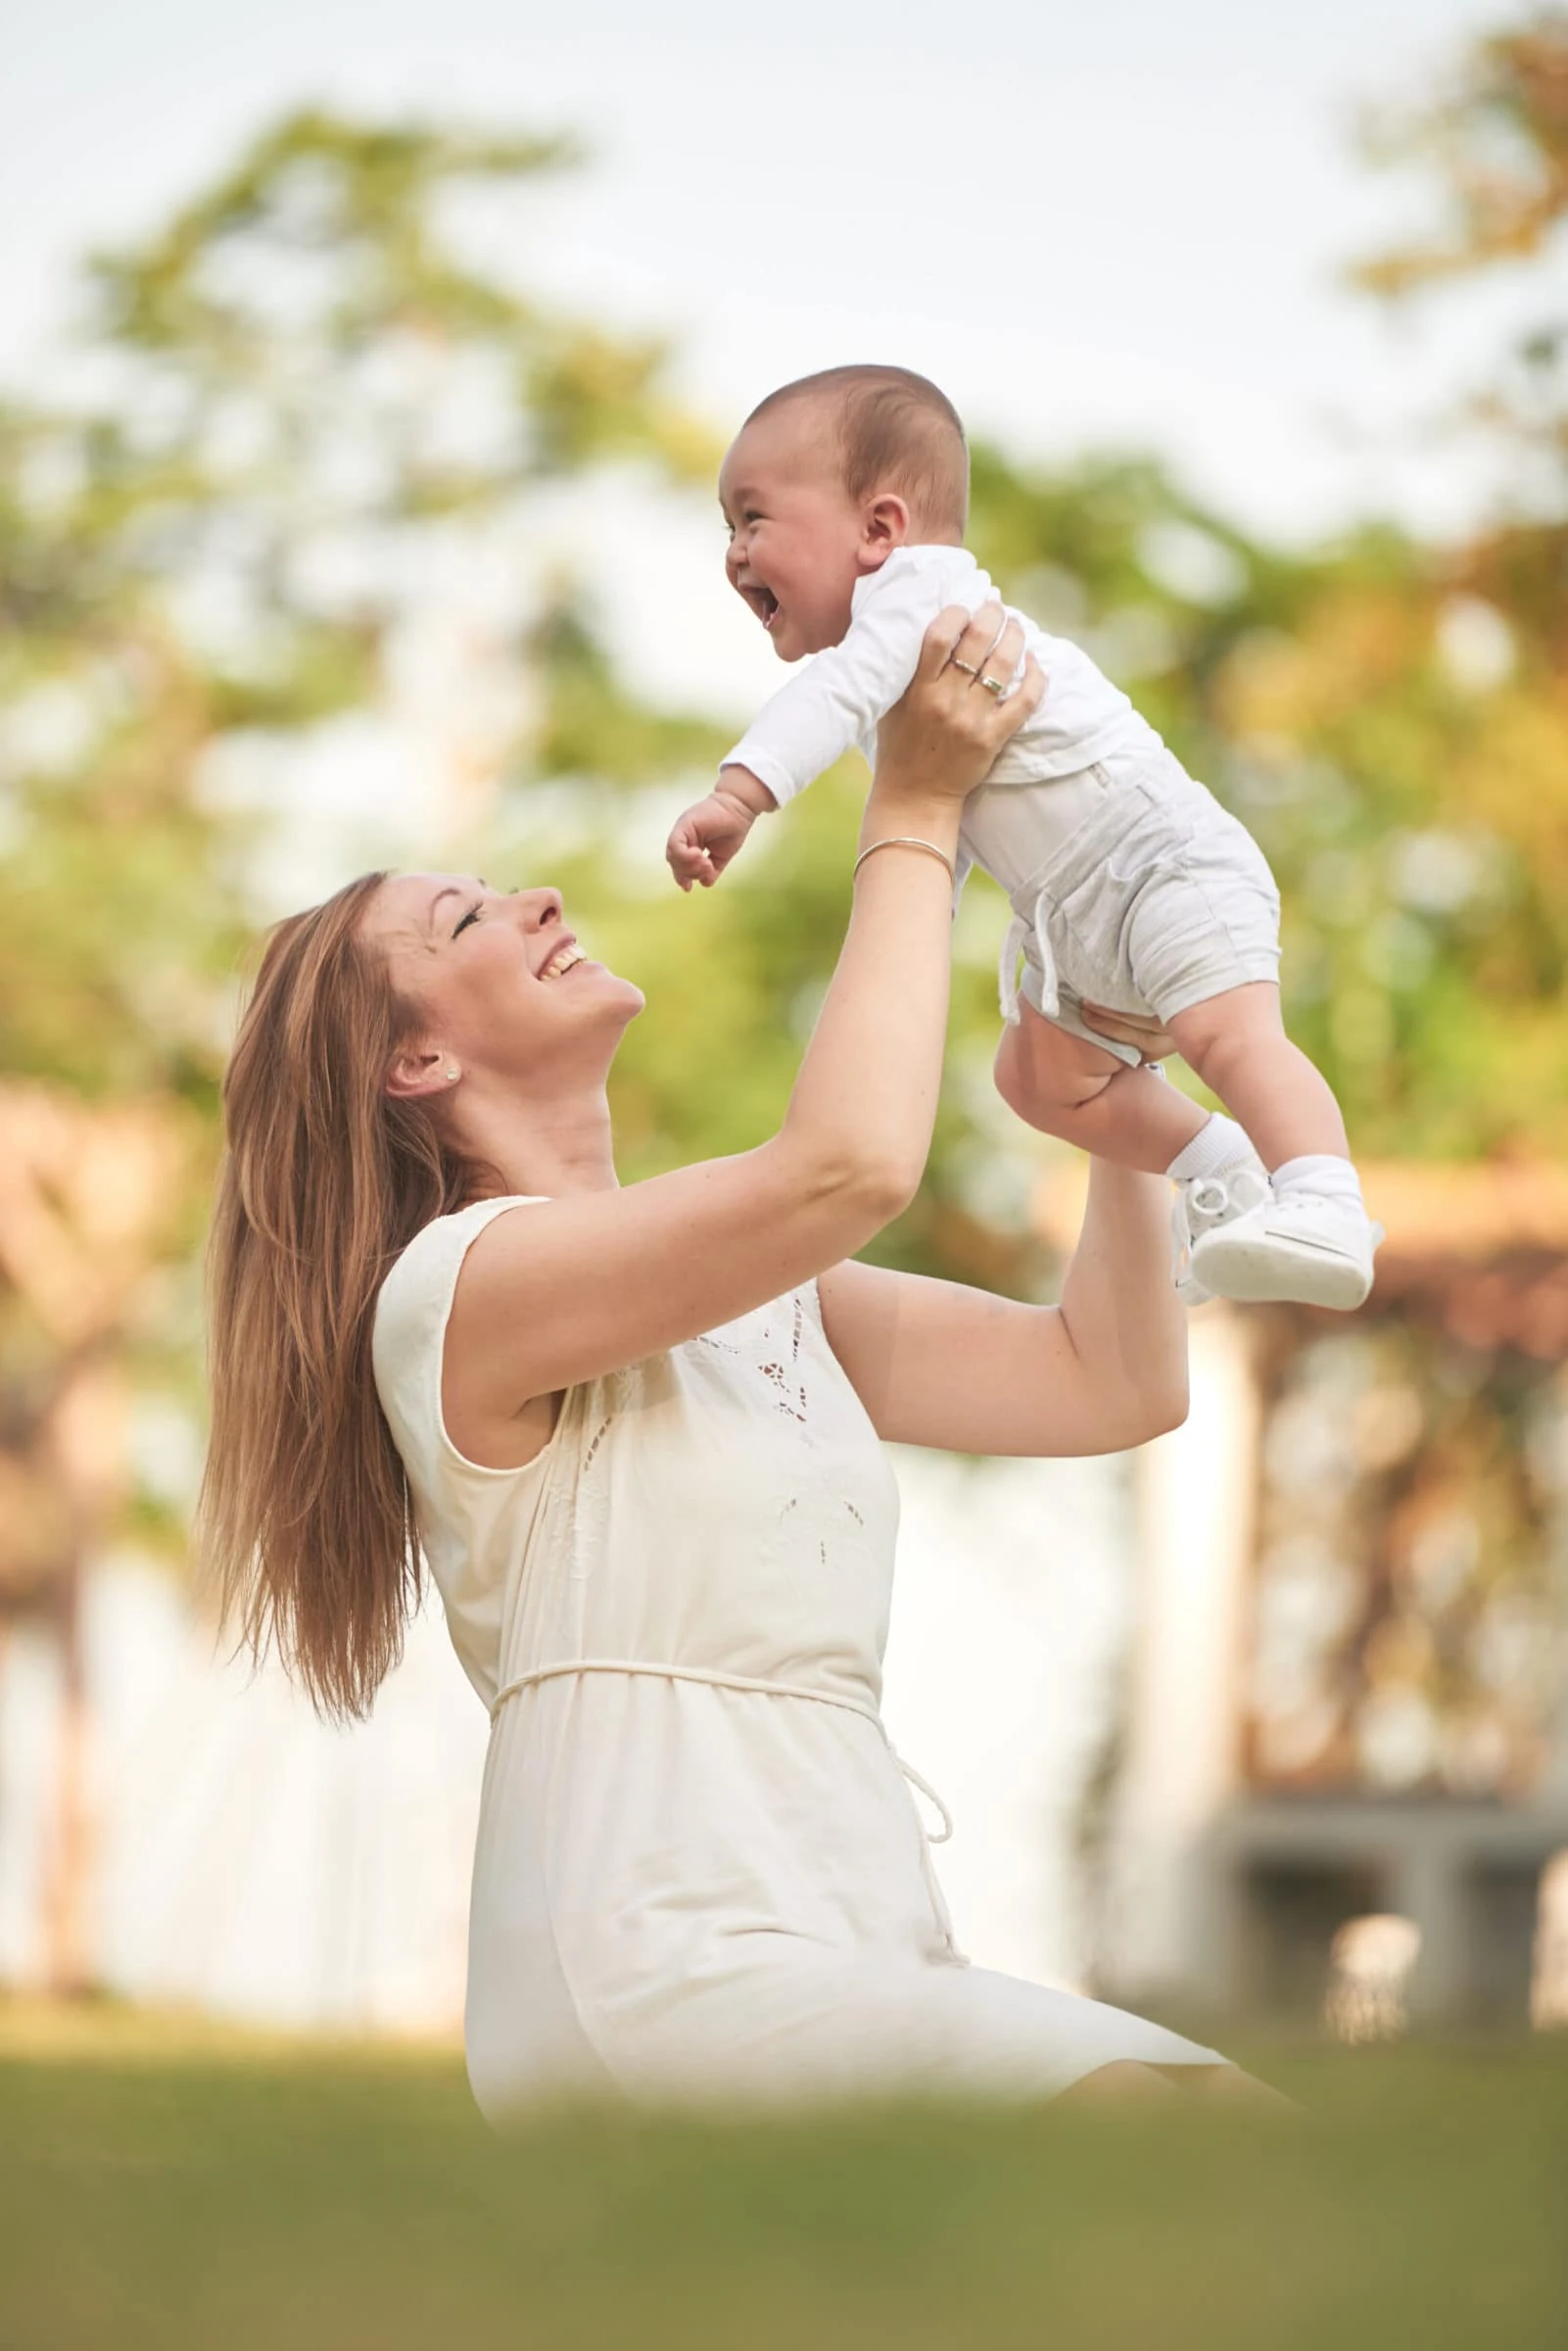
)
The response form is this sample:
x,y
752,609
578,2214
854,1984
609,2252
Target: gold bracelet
x,y
907,840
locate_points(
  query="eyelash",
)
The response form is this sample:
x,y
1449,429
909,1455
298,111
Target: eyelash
x,y
472,916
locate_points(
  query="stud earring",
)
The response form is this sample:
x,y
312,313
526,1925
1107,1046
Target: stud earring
x,y
451,1073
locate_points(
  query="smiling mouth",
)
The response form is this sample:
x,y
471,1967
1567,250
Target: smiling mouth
x,y
562,961
763,602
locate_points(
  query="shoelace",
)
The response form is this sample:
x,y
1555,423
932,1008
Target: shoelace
x,y
1216,1196
1211,1197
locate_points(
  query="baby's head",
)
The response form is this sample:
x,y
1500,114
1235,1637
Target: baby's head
x,y
825,479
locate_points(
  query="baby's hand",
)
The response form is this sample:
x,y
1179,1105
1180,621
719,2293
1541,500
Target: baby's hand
x,y
706,838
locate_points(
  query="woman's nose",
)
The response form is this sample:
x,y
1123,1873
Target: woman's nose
x,y
539,907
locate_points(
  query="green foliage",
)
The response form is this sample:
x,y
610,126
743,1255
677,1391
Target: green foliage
x,y
591,728
109,912
309,389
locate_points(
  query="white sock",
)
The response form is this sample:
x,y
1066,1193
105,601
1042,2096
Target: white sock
x,y
1321,1172
1219,1143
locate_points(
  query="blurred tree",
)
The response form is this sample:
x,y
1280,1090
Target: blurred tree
x,y
1494,142
307,413
1475,688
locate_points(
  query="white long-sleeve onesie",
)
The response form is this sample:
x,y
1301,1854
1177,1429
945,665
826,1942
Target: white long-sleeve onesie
x,y
837,700
1194,939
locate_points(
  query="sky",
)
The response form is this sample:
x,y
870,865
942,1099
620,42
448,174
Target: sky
x,y
1111,223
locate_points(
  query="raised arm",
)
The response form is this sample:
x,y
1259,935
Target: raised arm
x,y
936,1363
557,1293
825,710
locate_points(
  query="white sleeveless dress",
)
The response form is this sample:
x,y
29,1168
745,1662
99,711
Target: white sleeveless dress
x,y
700,1871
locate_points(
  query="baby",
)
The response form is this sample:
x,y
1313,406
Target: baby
x,y
846,496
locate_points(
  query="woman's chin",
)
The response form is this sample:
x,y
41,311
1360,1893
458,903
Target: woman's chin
x,y
610,986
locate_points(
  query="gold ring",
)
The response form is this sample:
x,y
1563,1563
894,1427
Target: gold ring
x,y
994,685
971,669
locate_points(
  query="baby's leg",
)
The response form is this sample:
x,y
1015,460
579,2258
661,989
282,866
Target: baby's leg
x,y
1237,1044
1085,1093
1312,1240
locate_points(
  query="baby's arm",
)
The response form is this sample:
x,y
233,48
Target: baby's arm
x,y
708,835
815,719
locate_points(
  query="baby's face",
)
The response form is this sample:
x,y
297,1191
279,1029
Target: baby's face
x,y
797,547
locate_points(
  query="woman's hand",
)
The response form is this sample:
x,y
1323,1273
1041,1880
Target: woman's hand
x,y
941,739
1130,1028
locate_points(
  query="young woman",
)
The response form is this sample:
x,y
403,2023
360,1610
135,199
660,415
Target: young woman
x,y
635,1434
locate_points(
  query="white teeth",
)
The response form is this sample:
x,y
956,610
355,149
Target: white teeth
x,y
562,961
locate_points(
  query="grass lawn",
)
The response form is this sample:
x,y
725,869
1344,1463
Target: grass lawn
x,y
169,2189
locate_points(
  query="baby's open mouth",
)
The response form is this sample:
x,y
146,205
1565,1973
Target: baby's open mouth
x,y
763,602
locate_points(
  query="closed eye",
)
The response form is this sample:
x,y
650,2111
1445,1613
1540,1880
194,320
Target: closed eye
x,y
472,916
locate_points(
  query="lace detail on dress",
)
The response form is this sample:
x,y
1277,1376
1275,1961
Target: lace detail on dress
x,y
818,1531
784,1377
790,1399
822,1521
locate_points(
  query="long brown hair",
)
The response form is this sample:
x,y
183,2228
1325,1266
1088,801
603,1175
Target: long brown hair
x,y
306,1521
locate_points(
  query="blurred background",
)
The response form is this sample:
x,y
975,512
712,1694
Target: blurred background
x,y
365,379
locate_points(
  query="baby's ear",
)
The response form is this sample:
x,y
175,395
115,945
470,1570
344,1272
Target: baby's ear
x,y
885,526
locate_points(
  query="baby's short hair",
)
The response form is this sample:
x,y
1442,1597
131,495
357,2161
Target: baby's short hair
x,y
894,431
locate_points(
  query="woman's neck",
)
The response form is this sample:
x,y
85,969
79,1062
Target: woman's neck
x,y
541,1148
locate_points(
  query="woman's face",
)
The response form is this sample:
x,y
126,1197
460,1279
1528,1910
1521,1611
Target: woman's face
x,y
500,982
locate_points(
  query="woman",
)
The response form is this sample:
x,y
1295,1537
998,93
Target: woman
x,y
634,1433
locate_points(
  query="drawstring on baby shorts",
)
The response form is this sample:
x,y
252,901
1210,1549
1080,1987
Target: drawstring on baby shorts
x,y
1015,945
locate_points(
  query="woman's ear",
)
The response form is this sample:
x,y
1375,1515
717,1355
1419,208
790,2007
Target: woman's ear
x,y
885,526
418,1070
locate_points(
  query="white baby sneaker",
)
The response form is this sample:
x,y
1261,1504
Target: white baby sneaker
x,y
1203,1203
1302,1246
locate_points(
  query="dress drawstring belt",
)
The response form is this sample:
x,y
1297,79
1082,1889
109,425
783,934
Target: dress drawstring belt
x,y
733,1681
1020,931
747,1682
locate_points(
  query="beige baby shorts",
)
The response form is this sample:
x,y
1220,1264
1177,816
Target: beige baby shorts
x,y
1157,900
